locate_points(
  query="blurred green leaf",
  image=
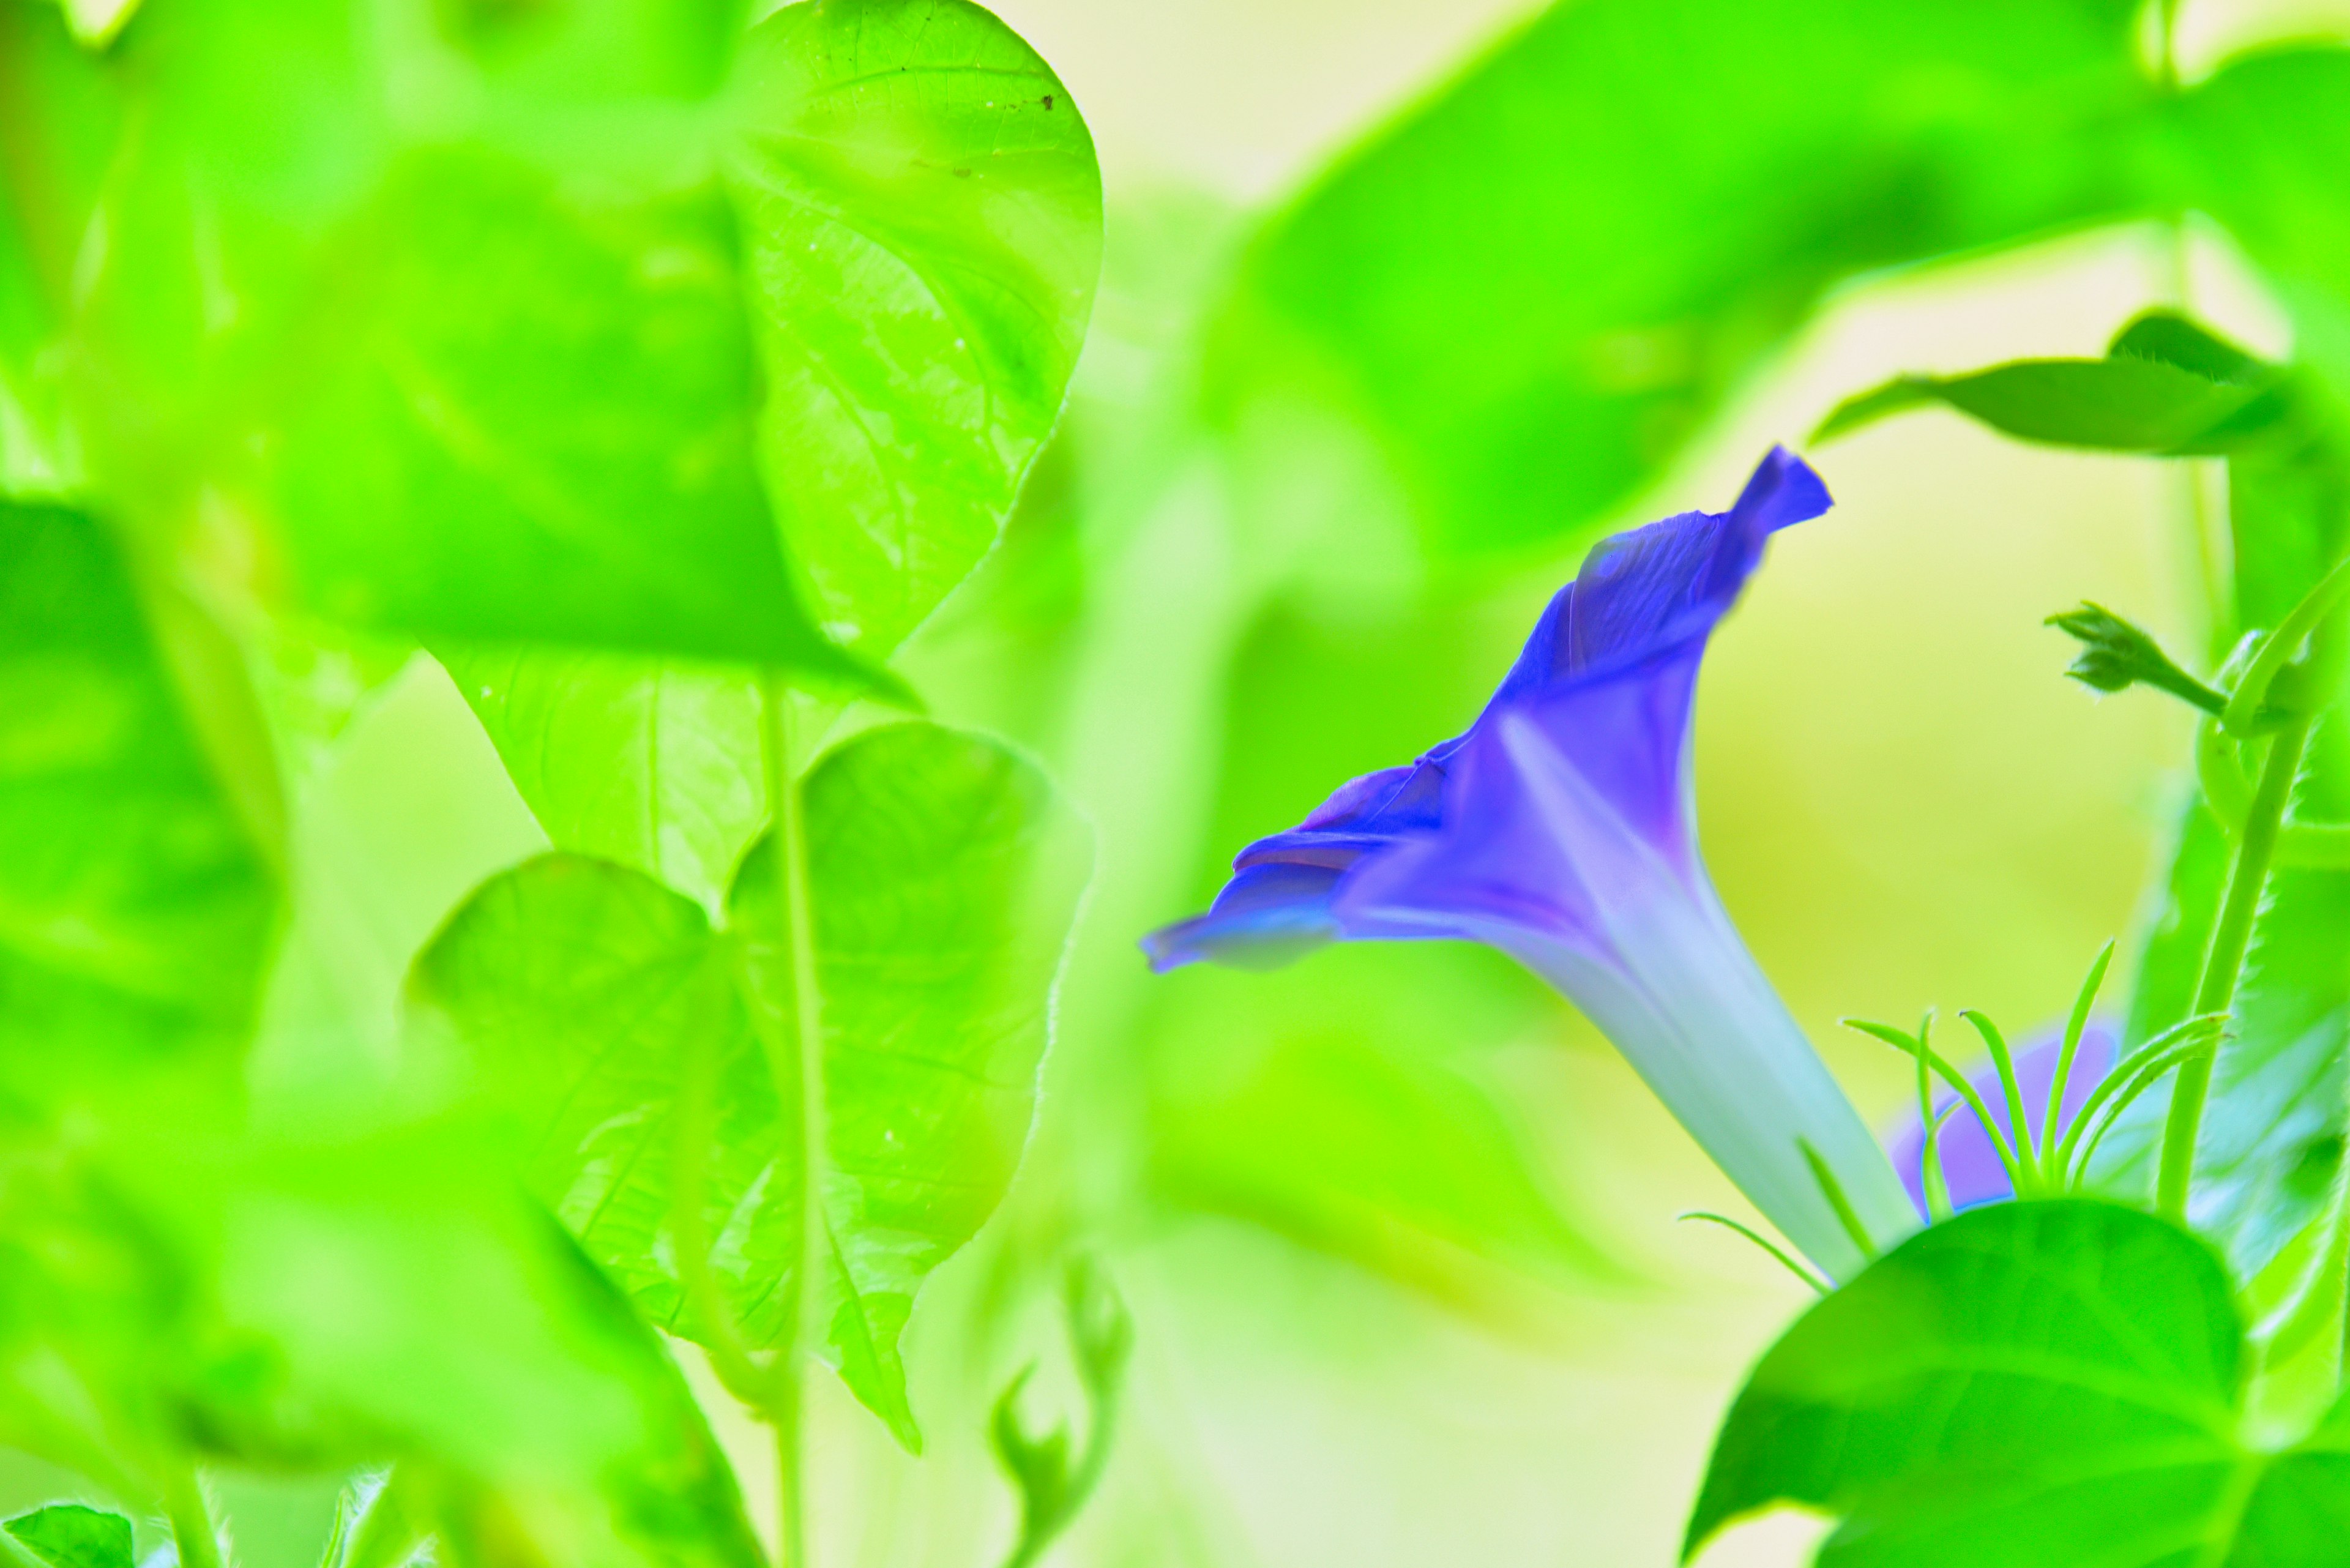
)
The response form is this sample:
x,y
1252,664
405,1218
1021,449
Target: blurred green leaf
x,y
420,1308
1342,1105
135,908
69,1536
2258,146
655,765
2029,1384
2165,386
943,874
925,229
54,145
1536,285
531,418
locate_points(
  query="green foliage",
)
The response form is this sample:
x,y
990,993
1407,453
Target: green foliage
x,y
2028,1383
135,904
926,220
69,1536
1566,241
520,326
2165,386
651,764
2274,1134
624,1035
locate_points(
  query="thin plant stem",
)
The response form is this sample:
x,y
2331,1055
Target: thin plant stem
x,y
2231,936
797,1060
191,1518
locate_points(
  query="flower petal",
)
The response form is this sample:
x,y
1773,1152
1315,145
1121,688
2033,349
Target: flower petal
x,y
1608,674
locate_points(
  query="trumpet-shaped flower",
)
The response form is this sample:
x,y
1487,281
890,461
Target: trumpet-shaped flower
x,y
1560,828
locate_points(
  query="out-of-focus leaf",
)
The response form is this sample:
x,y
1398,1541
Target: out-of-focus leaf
x,y
1328,1107
69,1536
531,418
2027,1386
2259,144
923,213
135,910
944,876
54,146
652,764
1537,284
554,1420
465,328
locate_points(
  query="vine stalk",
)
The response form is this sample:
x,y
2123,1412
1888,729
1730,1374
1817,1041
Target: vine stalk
x,y
795,1058
2231,936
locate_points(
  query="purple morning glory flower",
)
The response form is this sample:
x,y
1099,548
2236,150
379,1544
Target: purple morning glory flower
x,y
1560,830
1970,1166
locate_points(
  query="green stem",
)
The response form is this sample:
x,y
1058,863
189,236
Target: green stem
x,y
797,1060
2229,939
191,1518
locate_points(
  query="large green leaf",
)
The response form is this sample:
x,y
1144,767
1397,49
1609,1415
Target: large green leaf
x,y
653,764
135,907
1535,285
944,875
2040,1384
924,215
69,1536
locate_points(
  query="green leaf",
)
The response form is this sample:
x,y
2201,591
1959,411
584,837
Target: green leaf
x,y
1480,277
2027,1385
944,876
924,219
135,908
554,1419
2258,146
2166,386
529,416
69,1536
655,765
55,142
